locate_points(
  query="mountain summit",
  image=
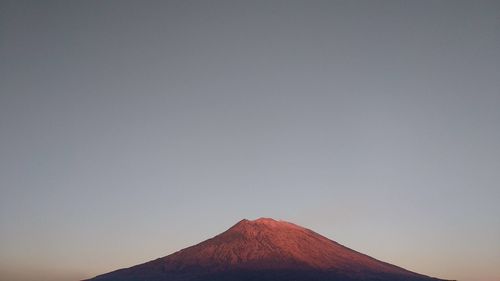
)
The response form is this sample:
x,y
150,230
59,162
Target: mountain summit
x,y
265,249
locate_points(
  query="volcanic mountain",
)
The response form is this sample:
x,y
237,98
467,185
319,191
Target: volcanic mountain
x,y
265,250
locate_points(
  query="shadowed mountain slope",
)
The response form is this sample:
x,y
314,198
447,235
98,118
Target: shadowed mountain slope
x,y
265,249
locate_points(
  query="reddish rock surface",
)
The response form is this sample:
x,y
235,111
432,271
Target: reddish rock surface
x,y
265,249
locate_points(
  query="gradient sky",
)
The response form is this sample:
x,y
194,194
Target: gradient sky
x,y
129,130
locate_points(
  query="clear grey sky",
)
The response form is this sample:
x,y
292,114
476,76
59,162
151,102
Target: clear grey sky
x,y
129,130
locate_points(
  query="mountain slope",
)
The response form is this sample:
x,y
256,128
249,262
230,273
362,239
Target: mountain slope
x,y
265,249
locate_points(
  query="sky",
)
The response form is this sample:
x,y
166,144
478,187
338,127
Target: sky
x,y
132,129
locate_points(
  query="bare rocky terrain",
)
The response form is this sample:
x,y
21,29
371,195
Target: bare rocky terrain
x,y
265,249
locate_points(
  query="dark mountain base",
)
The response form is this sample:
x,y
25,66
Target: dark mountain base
x,y
261,275
302,275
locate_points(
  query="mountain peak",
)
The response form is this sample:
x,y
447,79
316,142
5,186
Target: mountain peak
x,y
264,228
261,220
265,220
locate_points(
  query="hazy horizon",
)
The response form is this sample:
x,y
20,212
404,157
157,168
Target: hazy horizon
x,y
132,129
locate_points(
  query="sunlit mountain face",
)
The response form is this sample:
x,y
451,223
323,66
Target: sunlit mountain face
x,y
265,250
